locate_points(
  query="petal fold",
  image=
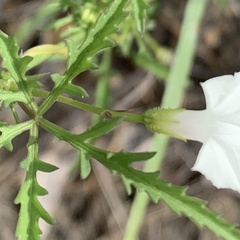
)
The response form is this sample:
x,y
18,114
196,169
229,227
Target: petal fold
x,y
219,161
223,94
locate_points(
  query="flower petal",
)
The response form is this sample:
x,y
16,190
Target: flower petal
x,y
223,94
193,125
219,161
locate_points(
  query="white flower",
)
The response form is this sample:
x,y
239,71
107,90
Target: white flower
x,y
217,127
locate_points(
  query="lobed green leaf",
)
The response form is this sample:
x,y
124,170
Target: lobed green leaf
x,y
8,97
16,65
31,209
8,132
9,51
157,189
69,88
96,40
99,129
139,10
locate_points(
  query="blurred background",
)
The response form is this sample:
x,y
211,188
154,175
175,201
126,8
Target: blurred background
x,y
98,207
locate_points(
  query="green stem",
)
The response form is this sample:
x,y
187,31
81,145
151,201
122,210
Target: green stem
x,y
26,110
102,84
55,129
175,87
163,54
129,117
50,99
14,112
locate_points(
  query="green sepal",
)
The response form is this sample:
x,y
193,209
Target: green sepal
x,y
159,120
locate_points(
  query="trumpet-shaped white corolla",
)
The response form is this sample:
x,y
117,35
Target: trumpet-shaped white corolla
x,y
217,127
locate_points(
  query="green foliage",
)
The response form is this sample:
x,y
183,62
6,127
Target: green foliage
x,y
85,166
38,21
16,65
31,209
70,88
9,52
139,10
222,3
157,189
176,83
79,58
8,132
102,127
8,97
94,26
174,197
151,65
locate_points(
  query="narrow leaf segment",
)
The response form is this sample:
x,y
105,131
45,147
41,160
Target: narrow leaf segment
x,y
8,97
8,132
139,10
31,209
